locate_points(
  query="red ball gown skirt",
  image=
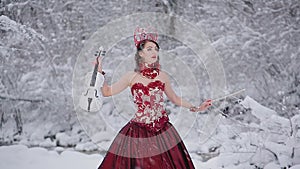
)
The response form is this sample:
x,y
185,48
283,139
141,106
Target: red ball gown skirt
x,y
138,147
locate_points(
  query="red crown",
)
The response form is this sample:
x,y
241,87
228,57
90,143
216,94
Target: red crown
x,y
141,34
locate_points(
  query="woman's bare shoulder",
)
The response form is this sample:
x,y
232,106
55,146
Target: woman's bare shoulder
x,y
130,73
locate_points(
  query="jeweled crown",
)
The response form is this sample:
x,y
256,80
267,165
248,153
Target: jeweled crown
x,y
141,34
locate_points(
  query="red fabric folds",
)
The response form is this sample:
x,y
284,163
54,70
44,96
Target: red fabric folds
x,y
135,147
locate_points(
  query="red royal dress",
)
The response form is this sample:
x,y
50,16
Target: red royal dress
x,y
148,140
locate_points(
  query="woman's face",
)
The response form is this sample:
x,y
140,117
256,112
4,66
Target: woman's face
x,y
149,52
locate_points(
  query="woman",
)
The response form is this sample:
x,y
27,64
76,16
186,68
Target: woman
x,y
148,140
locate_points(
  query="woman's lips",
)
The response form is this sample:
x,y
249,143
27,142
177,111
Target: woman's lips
x,y
153,56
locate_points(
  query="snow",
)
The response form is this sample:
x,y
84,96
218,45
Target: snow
x,y
20,156
64,140
232,146
258,110
257,41
88,147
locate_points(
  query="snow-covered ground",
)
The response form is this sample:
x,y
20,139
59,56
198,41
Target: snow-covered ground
x,y
270,142
20,156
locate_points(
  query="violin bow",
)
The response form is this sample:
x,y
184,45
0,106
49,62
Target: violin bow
x,y
229,95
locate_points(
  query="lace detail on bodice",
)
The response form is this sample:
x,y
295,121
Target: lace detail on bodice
x,y
150,105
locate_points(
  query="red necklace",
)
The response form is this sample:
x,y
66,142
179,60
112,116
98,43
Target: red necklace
x,y
150,71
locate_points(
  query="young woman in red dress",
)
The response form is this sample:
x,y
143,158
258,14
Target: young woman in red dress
x,y
148,140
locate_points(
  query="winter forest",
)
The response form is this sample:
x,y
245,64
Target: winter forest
x,y
46,49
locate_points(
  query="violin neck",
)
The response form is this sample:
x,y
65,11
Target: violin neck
x,y
94,76
101,53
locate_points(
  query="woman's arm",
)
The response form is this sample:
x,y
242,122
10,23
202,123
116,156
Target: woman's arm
x,y
179,101
172,95
117,87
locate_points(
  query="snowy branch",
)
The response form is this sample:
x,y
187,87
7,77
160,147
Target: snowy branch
x,y
20,99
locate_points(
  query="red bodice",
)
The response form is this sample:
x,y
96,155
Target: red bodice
x,y
150,105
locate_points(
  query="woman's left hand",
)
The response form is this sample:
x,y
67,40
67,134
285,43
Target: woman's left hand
x,y
205,105
202,107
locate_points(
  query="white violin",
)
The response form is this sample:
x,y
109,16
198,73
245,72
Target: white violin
x,y
91,99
